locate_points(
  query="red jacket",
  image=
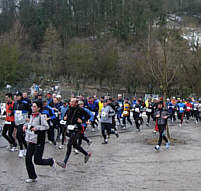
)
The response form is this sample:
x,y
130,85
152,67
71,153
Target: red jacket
x,y
10,112
188,107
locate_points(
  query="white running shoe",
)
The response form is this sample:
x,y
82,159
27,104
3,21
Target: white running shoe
x,y
25,152
21,153
61,146
76,151
29,180
157,147
14,149
167,145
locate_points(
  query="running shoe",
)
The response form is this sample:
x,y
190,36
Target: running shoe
x,y
29,180
90,142
167,145
157,147
61,146
86,158
105,141
14,149
25,152
76,151
61,164
21,153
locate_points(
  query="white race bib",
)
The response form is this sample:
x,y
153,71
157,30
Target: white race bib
x,y
125,113
188,108
181,109
20,118
7,122
18,112
137,110
56,114
103,114
62,122
71,127
149,110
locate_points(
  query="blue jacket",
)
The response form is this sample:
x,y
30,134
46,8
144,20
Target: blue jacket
x,y
91,117
22,105
170,107
181,107
47,110
94,107
63,111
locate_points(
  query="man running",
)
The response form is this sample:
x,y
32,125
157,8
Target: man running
x,y
106,120
9,123
74,117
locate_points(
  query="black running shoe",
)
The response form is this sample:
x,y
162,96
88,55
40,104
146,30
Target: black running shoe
x,y
86,158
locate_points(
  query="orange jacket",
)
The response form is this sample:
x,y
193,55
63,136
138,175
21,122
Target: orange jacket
x,y
10,112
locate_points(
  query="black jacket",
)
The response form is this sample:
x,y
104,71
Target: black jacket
x,y
73,113
162,113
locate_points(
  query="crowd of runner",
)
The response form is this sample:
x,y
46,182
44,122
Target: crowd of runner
x,y
29,121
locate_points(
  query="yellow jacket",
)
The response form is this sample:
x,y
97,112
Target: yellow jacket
x,y
100,106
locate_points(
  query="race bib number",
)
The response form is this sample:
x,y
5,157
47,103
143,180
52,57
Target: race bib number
x,y
56,114
62,122
149,110
125,113
120,105
7,123
137,110
19,118
18,112
188,108
181,109
71,127
103,114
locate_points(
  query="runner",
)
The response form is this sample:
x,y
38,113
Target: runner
x,y
137,115
49,112
74,117
161,115
188,109
111,103
35,136
106,120
21,108
92,105
63,125
171,109
149,111
196,111
180,108
84,124
9,123
126,113
120,104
